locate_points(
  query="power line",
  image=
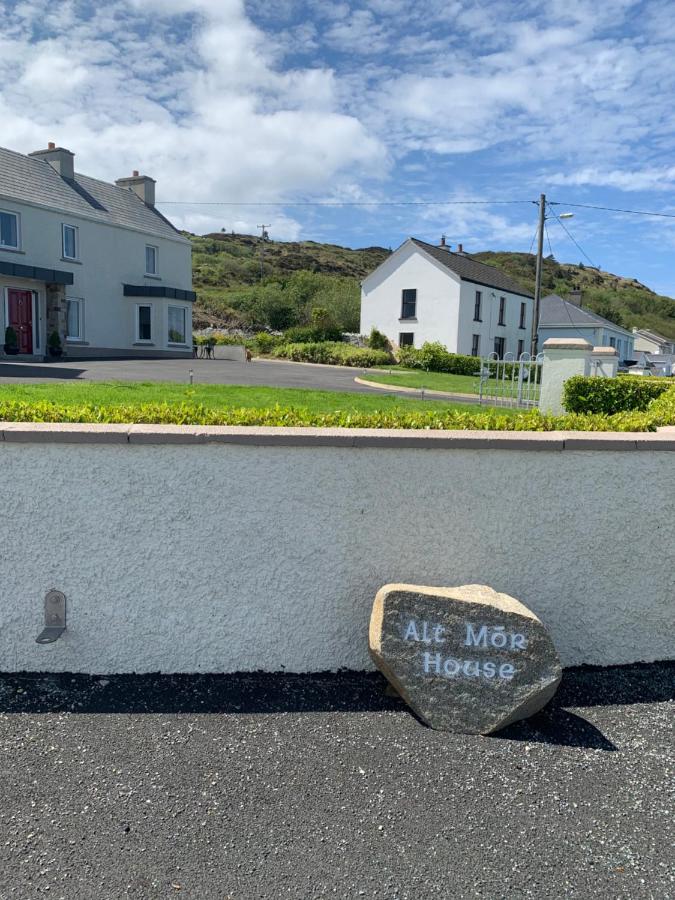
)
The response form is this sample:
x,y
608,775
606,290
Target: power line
x,y
550,248
340,202
632,212
575,242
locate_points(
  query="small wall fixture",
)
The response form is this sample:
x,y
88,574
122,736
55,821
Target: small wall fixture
x,y
55,618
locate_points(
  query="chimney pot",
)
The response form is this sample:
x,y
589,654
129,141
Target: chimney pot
x,y
135,173
442,240
460,249
51,145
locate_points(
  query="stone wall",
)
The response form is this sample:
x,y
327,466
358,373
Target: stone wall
x,y
243,549
56,314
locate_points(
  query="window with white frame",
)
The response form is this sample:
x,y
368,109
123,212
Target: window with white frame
x,y
144,322
74,319
151,260
9,230
70,237
177,317
475,345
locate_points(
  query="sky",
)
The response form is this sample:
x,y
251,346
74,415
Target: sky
x,y
291,113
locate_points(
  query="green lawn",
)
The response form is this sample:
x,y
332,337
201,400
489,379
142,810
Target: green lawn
x,y
431,381
216,396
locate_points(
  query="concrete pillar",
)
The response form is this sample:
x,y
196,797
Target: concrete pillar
x,y
604,361
563,358
56,314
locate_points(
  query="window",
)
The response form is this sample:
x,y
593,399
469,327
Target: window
x,y
523,313
500,344
151,254
74,319
9,230
406,339
612,342
502,311
177,324
409,303
70,241
476,308
144,323
521,348
475,345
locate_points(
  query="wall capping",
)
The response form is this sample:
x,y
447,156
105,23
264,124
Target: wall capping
x,y
74,433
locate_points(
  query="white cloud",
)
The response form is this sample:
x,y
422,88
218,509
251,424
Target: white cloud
x,y
649,179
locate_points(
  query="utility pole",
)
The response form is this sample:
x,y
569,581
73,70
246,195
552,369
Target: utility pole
x,y
537,276
263,238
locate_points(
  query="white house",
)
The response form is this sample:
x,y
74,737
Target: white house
x,y
425,293
651,342
94,262
566,318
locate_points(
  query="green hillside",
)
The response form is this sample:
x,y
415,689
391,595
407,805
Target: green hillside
x,y
300,276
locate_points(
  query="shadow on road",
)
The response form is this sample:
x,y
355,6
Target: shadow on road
x,y
349,692
25,371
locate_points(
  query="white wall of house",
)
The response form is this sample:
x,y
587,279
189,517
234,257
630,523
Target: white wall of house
x,y
445,306
437,299
109,256
648,345
489,328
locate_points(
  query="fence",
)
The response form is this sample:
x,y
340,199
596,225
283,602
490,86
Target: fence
x,y
510,381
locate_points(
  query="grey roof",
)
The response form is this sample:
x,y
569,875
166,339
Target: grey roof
x,y
653,335
472,270
554,311
33,180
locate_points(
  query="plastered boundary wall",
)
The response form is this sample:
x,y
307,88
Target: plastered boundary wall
x,y
240,549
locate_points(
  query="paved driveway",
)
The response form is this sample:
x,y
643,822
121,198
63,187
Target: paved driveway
x,y
212,371
280,786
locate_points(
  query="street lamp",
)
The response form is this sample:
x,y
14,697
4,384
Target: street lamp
x,y
540,261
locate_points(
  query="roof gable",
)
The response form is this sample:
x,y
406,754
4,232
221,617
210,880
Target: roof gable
x,y
32,180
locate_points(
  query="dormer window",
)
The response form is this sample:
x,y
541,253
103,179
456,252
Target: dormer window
x,y
9,230
70,239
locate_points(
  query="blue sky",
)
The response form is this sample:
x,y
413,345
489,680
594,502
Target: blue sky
x,y
298,101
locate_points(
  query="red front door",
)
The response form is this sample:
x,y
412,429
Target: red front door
x,y
20,317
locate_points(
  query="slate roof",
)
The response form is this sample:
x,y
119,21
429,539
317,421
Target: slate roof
x,y
33,180
554,311
472,270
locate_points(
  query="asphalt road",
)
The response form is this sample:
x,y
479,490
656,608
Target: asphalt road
x,y
256,786
206,371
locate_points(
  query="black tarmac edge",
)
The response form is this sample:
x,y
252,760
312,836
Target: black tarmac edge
x,y
278,785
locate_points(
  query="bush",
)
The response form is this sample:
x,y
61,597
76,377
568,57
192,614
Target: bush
x,y
265,343
595,394
377,340
433,357
334,353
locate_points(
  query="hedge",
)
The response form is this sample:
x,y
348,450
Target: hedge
x,y
433,357
612,395
661,412
334,353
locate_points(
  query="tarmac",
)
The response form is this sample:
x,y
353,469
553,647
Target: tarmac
x,y
304,786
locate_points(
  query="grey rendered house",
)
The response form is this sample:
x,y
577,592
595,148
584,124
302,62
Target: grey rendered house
x,y
95,262
566,318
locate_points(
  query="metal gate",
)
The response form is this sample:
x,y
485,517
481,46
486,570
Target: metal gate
x,y
510,381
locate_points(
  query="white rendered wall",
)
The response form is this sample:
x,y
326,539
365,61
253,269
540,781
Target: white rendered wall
x,y
222,557
109,256
437,299
489,328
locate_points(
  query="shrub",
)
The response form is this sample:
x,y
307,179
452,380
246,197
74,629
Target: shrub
x,y
595,394
333,353
11,337
265,343
378,341
433,357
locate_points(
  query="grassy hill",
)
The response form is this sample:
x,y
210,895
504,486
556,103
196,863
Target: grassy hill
x,y
299,276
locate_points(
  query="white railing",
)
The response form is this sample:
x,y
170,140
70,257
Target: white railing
x,y
511,382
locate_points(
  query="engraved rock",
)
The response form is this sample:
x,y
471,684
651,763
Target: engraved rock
x,y
465,659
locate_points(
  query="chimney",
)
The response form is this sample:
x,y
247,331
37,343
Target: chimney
x,y
442,244
574,296
460,249
60,159
141,185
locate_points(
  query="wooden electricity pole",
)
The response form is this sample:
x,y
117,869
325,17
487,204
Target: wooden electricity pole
x,y
263,238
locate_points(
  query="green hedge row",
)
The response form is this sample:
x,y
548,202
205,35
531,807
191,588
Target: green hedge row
x,y
333,353
433,357
660,412
612,395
